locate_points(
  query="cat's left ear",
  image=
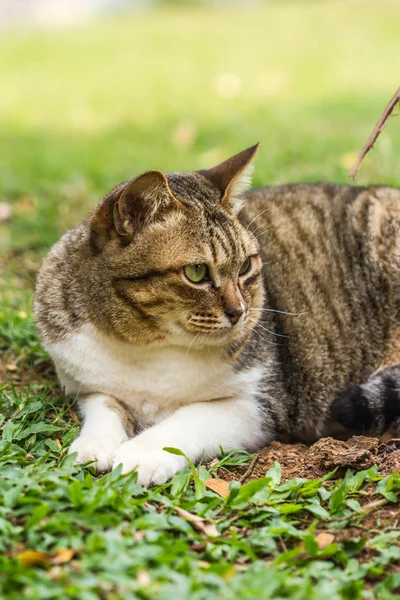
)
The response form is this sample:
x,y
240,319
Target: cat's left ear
x,y
233,177
130,207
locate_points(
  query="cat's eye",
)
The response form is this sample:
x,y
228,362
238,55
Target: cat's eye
x,y
196,273
245,266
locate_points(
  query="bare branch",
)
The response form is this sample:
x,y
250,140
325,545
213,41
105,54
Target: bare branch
x,y
375,133
249,470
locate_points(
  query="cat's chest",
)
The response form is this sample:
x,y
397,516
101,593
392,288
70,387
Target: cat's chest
x,y
153,382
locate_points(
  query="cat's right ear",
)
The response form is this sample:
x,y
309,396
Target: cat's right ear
x,y
129,207
233,177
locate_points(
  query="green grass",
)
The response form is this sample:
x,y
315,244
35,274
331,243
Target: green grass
x,y
127,542
83,109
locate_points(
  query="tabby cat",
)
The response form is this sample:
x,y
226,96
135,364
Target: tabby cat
x,y
187,312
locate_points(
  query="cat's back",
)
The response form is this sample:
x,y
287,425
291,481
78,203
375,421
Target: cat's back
x,y
331,258
326,230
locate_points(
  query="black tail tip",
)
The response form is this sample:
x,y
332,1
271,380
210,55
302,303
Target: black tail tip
x,y
351,410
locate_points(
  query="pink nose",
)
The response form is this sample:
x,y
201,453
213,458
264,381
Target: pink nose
x,y
234,314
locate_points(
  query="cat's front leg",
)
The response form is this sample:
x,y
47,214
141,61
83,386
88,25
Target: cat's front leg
x,y
106,426
199,430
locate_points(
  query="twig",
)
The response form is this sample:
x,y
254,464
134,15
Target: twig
x,y
367,508
249,470
375,133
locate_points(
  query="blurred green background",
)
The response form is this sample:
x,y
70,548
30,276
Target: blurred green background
x,y
183,86
176,86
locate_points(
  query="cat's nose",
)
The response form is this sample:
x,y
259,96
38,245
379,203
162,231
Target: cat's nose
x,y
234,314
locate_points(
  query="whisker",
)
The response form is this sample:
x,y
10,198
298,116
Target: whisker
x,y
202,339
265,329
193,340
256,217
262,233
263,339
254,230
282,312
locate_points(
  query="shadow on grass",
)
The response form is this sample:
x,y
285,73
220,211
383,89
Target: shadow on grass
x,y
54,178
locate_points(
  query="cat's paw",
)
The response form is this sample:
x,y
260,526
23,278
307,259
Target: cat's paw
x,y
101,450
154,465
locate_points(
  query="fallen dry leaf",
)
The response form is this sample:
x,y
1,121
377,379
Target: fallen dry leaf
x,y
36,558
204,525
57,441
64,555
11,367
323,539
33,558
188,515
219,486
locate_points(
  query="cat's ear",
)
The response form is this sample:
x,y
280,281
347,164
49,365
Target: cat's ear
x,y
130,206
233,177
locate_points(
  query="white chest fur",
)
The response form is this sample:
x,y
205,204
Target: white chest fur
x,y
154,382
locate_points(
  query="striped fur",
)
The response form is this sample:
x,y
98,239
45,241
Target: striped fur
x,y
319,305
331,256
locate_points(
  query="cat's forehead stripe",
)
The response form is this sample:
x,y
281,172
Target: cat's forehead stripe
x,y
223,239
192,189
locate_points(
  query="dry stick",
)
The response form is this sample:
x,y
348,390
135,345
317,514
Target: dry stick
x,y
375,133
249,470
367,508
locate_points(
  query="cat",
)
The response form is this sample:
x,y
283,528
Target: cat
x,y
188,311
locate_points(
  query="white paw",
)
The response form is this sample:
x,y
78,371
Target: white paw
x,y
101,450
154,465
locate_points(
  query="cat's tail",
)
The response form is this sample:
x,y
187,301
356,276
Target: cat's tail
x,y
372,407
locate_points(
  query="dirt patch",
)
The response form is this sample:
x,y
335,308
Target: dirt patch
x,y
389,461
298,460
357,453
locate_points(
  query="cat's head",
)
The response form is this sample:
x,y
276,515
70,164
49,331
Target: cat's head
x,y
172,262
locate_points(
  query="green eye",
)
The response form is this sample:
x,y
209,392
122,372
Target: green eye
x,y
195,273
245,266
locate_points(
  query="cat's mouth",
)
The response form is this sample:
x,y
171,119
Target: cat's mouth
x,y
213,335
195,331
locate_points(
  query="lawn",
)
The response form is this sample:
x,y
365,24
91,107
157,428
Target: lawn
x,y
177,89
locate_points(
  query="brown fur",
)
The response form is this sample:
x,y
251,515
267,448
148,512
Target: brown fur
x,y
327,254
125,415
324,260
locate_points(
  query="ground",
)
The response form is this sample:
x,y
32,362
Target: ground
x,y
175,89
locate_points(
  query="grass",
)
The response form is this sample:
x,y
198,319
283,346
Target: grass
x,y
85,108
